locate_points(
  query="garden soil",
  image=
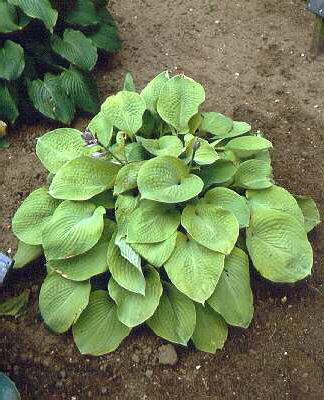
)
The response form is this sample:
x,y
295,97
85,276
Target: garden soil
x,y
253,58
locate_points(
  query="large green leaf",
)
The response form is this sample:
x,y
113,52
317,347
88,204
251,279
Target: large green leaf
x,y
89,264
211,226
231,201
310,212
247,146
217,124
179,100
152,222
83,13
12,62
127,177
59,146
26,253
14,306
194,269
76,48
211,330
175,317
168,180
106,38
39,9
233,298
129,253
33,216
9,20
98,330
275,198
8,390
278,246
219,173
81,87
238,129
50,99
74,228
8,104
102,128
83,178
133,308
125,204
152,90
167,145
61,301
125,111
156,253
127,275
254,174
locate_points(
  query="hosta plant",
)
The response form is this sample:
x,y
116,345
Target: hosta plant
x,y
153,215
47,50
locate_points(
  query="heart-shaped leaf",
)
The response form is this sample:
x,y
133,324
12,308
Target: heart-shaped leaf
x,y
310,212
9,19
125,205
33,215
175,317
133,308
219,173
217,124
247,146
61,301
152,90
164,146
179,100
76,48
233,298
83,13
74,228
102,128
125,111
152,222
194,269
106,38
167,179
98,330
83,178
213,227
127,177
12,62
254,174
278,246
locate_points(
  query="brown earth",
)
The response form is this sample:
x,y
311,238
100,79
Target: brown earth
x,y
252,56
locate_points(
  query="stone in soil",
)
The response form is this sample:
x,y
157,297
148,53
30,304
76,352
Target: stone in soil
x,y
167,355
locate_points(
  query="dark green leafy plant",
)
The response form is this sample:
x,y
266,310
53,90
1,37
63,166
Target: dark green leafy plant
x,y
47,51
165,204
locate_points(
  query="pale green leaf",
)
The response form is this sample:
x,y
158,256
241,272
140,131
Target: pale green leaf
x,y
133,308
98,330
102,128
238,129
104,199
179,100
61,301
275,198
152,222
127,177
76,48
13,306
125,111
211,226
168,180
152,90
81,87
310,212
88,264
205,154
195,123
50,99
219,173
247,146
127,275
59,146
231,201
128,253
33,216
125,204
278,246
74,228
156,254
233,298
39,9
129,84
254,174
83,178
12,61
194,269
164,146
211,330
175,317
26,253
217,124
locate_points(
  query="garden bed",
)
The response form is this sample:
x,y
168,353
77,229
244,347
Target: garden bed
x,y
253,59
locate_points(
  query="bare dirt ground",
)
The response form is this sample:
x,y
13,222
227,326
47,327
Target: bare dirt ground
x,y
252,56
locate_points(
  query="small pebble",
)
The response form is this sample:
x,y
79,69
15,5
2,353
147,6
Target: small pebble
x,y
167,355
104,390
149,373
135,358
284,300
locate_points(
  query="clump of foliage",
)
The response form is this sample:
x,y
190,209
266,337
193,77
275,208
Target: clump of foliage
x,y
47,51
151,216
